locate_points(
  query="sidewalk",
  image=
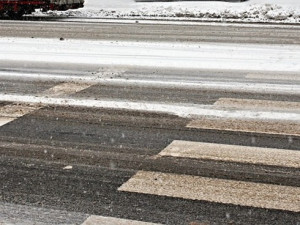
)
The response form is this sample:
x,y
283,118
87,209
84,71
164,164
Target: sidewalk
x,y
278,11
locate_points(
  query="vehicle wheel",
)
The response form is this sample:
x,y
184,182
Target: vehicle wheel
x,y
16,15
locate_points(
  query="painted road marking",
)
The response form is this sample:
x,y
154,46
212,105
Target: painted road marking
x,y
244,125
101,220
65,89
258,104
5,120
215,190
16,110
9,113
183,110
233,153
289,77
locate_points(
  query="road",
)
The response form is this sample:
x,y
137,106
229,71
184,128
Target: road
x,y
102,144
141,31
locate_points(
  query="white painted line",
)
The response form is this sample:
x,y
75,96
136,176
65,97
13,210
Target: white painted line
x,y
244,125
258,104
14,111
233,153
101,220
288,77
215,190
189,111
207,85
65,89
5,120
10,112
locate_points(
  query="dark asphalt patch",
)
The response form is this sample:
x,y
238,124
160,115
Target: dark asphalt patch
x,y
25,87
126,160
141,132
172,95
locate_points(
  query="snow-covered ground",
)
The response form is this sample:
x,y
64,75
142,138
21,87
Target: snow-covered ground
x,y
221,56
254,59
287,11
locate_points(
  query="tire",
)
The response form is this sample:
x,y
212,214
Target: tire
x,y
15,15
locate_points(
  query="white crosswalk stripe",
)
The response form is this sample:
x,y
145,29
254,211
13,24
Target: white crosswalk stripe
x,y
215,190
5,120
256,125
65,89
9,113
246,125
255,104
101,220
233,153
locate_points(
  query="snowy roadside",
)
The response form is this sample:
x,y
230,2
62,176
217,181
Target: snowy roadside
x,y
276,11
251,57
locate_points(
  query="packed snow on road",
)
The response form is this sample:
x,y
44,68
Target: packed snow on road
x,y
281,11
252,57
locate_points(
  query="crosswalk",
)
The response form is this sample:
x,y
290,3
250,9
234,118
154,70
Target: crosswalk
x,y
285,120
232,153
279,127
142,133
215,190
241,193
10,112
256,104
225,191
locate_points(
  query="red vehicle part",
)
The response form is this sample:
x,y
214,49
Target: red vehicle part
x,y
17,8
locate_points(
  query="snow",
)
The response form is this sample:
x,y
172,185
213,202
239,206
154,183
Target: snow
x,y
181,110
251,57
283,11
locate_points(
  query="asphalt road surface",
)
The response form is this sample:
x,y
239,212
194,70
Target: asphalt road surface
x,y
152,32
145,146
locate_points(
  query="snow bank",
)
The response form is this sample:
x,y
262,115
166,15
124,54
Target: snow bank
x,y
286,11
